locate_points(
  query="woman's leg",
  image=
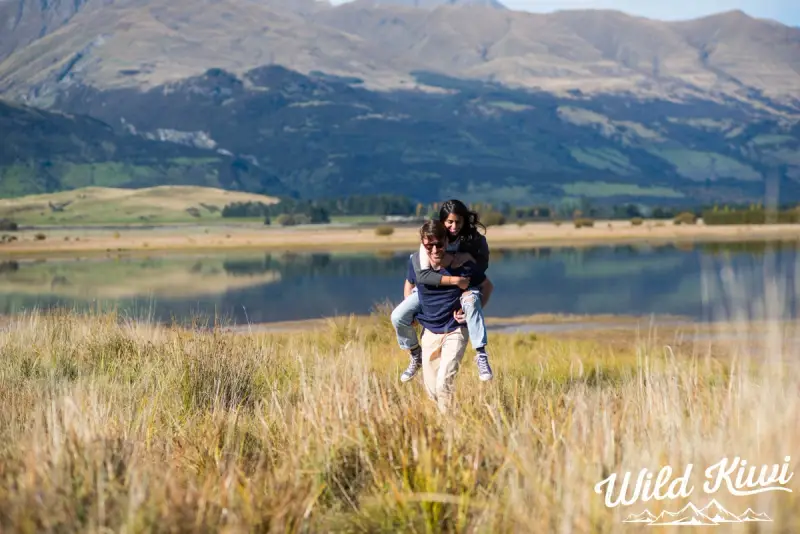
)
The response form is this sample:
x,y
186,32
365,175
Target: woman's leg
x,y
473,312
402,317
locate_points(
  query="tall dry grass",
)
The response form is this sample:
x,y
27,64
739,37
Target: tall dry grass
x,y
108,425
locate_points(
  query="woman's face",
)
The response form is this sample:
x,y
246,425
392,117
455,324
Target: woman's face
x,y
453,223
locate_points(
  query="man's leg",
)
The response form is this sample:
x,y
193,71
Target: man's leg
x,y
452,350
431,361
402,317
473,312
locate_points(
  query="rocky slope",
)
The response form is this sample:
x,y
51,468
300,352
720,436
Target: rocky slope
x,y
475,100
144,43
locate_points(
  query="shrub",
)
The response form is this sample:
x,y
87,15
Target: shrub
x,y
40,237
384,229
285,219
583,222
493,218
751,216
7,225
686,217
637,221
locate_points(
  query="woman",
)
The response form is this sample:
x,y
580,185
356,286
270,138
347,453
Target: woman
x,y
466,244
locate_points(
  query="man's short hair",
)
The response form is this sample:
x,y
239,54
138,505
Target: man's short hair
x,y
433,229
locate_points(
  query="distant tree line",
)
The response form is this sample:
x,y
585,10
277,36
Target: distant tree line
x,y
294,211
290,211
7,225
754,214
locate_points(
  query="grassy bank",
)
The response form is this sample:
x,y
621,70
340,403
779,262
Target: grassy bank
x,y
130,427
94,206
249,236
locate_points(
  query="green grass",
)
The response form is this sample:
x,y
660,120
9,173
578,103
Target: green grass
x,y
16,180
91,206
603,158
605,189
509,106
703,165
772,139
356,219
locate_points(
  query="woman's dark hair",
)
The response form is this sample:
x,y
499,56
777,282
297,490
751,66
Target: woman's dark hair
x,y
469,230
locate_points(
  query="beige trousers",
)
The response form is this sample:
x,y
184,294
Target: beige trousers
x,y
441,358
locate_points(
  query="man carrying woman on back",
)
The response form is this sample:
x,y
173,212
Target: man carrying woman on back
x,y
463,245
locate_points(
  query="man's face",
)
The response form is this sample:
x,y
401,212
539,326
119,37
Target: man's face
x,y
435,248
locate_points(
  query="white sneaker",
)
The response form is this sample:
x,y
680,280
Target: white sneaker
x,y
484,370
413,368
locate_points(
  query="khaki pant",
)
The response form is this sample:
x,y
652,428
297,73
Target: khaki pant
x,y
441,358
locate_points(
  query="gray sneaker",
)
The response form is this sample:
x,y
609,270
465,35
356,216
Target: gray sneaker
x,y
413,368
484,370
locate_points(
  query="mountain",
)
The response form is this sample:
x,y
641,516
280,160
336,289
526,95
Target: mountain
x,y
372,97
750,515
43,152
145,43
327,136
688,515
644,517
717,513
432,4
25,21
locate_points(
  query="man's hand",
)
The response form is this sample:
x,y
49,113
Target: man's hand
x,y
460,316
462,283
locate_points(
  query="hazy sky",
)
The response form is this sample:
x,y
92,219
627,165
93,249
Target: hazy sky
x,y
786,11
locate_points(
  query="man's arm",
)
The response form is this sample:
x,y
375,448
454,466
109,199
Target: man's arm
x,y
432,278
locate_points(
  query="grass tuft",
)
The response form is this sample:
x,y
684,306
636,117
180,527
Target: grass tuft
x,y
109,424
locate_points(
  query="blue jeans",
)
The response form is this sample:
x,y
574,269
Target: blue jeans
x,y
403,316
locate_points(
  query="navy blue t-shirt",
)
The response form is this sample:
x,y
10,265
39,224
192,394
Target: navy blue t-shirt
x,y
439,302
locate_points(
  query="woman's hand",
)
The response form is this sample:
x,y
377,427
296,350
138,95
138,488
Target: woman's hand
x,y
460,258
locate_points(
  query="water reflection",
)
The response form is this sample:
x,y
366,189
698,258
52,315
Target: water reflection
x,y
695,280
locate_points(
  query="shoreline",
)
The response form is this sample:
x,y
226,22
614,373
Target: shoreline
x,y
210,238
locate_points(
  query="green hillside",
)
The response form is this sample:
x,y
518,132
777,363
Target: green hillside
x,y
93,205
326,137
44,152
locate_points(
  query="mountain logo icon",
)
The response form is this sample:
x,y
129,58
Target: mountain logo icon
x,y
690,515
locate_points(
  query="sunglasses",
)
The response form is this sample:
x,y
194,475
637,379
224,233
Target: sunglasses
x,y
437,244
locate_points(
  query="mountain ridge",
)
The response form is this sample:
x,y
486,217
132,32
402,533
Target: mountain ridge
x,y
594,51
481,102
328,136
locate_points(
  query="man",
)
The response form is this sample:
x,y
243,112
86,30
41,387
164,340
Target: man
x,y
442,316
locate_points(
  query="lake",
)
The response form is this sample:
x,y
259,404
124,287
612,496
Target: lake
x,y
701,281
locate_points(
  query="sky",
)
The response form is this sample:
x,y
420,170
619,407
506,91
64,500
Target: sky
x,y
785,11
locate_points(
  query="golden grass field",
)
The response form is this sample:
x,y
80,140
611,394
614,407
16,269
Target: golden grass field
x,y
110,425
255,236
95,205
